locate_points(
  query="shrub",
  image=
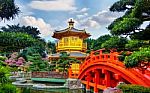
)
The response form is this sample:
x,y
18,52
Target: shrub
x,y
4,75
8,88
128,88
2,58
137,57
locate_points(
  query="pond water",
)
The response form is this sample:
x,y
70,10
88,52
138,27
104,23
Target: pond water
x,y
31,90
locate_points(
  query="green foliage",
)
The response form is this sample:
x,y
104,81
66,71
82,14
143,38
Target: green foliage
x,y
142,35
26,90
136,13
4,75
34,32
8,9
90,43
13,69
4,71
5,84
11,41
121,5
100,40
65,61
134,44
137,57
8,88
122,56
127,88
2,59
115,43
25,36
134,17
96,44
37,63
32,50
125,26
51,47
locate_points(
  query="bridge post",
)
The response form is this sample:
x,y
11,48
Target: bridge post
x,y
88,79
96,80
107,78
69,73
87,86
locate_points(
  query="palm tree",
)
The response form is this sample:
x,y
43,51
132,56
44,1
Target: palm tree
x,y
8,9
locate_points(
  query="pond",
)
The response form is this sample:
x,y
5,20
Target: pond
x,y
31,90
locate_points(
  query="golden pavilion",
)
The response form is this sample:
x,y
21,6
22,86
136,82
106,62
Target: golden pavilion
x,y
70,40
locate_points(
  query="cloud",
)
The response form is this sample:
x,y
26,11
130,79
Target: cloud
x,y
83,10
24,9
90,23
105,17
82,15
45,28
53,5
102,18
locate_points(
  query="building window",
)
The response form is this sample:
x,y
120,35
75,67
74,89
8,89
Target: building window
x,y
74,38
66,41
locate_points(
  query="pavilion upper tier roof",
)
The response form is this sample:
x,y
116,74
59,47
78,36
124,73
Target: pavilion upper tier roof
x,y
71,31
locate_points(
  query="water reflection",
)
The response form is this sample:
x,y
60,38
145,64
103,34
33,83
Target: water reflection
x,y
30,90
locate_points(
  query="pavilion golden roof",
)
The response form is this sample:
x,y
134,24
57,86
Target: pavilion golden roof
x,y
71,31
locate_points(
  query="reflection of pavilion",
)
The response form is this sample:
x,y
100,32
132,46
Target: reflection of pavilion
x,y
71,40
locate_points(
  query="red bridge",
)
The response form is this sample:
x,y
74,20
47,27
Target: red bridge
x,y
101,70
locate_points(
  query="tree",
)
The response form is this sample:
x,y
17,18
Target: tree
x,y
95,44
12,42
117,43
65,61
8,9
136,13
134,45
51,47
139,59
5,84
37,63
100,40
90,42
28,51
34,32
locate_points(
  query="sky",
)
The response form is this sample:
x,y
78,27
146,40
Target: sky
x,y
50,15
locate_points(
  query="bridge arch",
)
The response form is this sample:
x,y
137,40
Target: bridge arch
x,y
132,77
100,70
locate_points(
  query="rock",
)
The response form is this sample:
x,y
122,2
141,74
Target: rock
x,y
73,84
112,90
